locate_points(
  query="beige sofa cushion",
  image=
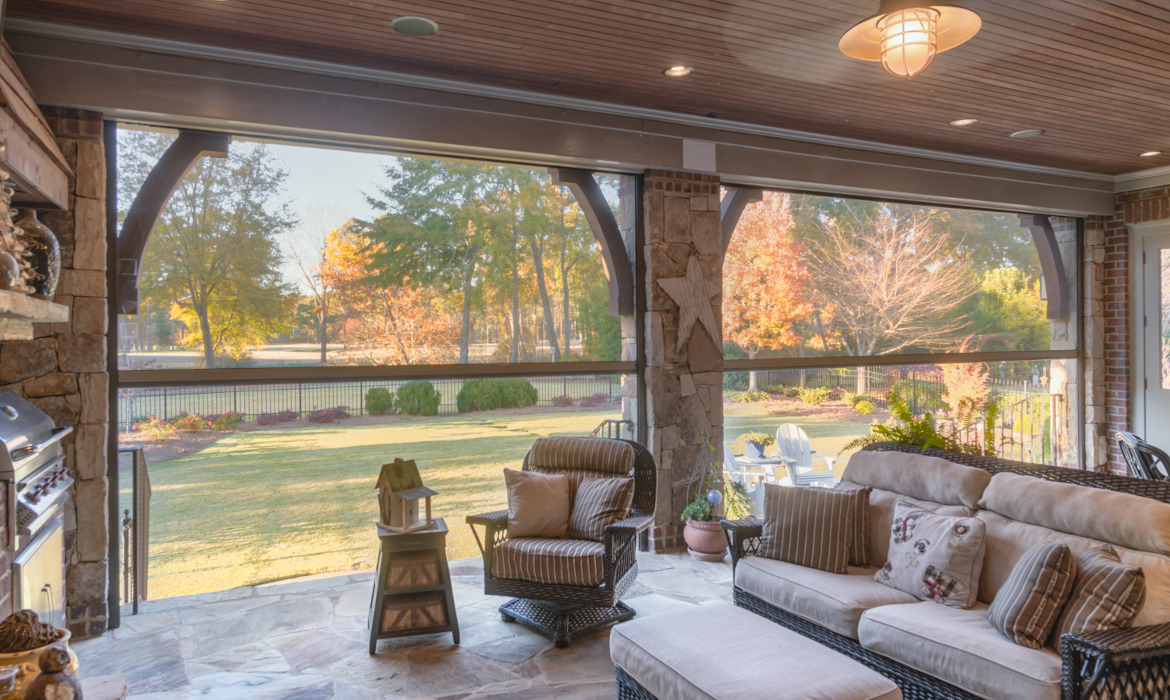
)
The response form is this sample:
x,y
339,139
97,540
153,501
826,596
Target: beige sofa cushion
x,y
919,476
721,651
835,601
881,518
1007,540
963,649
1122,519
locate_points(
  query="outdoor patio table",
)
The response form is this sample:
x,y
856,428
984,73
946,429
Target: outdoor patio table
x,y
769,463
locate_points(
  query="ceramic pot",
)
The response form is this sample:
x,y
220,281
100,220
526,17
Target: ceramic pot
x,y
9,271
44,253
705,540
27,664
754,449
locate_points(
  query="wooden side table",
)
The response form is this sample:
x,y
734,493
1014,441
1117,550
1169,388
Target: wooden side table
x,y
412,591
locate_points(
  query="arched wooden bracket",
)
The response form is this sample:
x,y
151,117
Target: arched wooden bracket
x,y
605,229
731,208
148,204
1051,264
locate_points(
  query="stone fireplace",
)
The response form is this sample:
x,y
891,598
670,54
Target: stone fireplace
x,y
63,371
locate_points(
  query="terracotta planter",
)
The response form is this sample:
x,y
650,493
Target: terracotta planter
x,y
705,540
25,663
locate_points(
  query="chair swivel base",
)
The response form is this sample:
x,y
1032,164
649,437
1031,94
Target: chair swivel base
x,y
563,623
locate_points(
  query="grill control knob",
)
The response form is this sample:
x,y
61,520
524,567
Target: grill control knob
x,y
33,496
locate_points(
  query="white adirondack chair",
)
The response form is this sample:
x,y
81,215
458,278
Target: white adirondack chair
x,y
792,443
752,481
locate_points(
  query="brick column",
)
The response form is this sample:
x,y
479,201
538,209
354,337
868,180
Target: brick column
x,y
71,383
684,387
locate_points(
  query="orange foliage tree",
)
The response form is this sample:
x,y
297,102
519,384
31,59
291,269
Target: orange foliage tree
x,y
766,285
392,324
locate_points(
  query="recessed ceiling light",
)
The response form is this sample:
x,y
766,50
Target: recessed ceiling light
x,y
678,71
1027,134
414,26
963,122
1149,154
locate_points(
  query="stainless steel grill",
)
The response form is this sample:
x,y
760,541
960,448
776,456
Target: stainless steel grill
x,y
33,460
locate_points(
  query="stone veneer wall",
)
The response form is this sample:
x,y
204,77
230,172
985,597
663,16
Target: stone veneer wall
x,y
63,369
684,389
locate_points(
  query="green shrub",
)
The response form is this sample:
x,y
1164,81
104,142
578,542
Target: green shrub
x,y
747,397
864,407
478,395
516,393
923,395
418,398
379,401
791,392
735,381
854,399
814,397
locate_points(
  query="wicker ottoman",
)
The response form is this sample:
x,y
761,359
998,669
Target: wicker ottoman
x,y
721,651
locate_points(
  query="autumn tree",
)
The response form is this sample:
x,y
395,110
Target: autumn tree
x,y
310,253
891,282
214,257
765,281
402,324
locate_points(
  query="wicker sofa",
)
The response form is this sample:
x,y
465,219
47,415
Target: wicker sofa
x,y
932,651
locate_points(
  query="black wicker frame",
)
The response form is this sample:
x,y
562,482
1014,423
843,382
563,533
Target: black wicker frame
x,y
1132,663
565,612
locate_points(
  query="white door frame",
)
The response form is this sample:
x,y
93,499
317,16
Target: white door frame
x,y
1137,295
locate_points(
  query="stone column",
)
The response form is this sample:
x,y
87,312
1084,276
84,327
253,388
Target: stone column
x,y
70,381
684,384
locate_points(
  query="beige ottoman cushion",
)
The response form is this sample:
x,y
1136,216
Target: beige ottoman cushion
x,y
721,651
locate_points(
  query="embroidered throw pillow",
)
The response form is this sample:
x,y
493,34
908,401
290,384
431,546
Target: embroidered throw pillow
x,y
808,526
1106,594
1028,604
538,504
598,504
934,557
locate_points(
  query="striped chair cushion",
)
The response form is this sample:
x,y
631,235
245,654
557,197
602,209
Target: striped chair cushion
x,y
859,537
1028,604
1106,594
590,454
808,526
541,560
599,503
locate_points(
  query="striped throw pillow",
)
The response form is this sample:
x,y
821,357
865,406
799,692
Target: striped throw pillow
x,y
598,504
1106,594
808,526
1028,604
859,538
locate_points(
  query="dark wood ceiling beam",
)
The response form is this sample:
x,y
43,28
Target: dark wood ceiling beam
x,y
1051,264
604,224
142,217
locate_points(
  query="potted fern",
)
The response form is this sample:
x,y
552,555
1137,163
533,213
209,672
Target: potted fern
x,y
754,443
961,433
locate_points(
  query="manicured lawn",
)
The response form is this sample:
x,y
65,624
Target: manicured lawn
x,y
270,504
265,505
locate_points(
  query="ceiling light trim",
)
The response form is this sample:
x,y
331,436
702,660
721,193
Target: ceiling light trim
x,y
36,28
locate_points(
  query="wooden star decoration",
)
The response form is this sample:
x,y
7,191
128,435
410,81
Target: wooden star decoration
x,y
693,297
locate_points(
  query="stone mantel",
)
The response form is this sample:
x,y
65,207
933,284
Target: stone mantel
x,y
19,311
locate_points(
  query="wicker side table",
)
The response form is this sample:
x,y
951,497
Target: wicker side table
x,y
412,590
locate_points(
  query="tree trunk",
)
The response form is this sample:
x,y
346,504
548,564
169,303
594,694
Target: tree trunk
x,y
566,323
862,381
465,316
545,302
205,336
515,355
323,331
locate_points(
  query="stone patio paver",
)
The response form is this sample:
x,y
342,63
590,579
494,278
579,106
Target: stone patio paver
x,y
307,639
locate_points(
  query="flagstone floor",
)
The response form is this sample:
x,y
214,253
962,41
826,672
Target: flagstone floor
x,y
307,639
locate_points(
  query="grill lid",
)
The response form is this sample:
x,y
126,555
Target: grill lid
x,y
22,425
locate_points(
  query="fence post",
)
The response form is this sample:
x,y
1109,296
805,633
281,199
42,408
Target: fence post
x,y
300,401
361,397
164,415
235,402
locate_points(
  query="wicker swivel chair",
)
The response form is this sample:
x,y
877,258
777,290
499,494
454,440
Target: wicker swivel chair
x,y
1143,459
567,588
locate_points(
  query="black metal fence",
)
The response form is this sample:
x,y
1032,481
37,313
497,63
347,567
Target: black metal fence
x,y
305,398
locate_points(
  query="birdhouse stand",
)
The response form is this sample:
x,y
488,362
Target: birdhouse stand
x,y
400,489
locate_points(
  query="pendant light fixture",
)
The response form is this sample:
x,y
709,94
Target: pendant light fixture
x,y
906,35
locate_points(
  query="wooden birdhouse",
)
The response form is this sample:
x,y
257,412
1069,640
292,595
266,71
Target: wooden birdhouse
x,y
400,489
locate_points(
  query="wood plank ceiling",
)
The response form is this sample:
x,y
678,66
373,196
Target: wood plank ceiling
x,y
1095,74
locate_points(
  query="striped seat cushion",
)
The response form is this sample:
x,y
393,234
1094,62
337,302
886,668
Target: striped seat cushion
x,y
1028,604
1106,594
587,454
808,526
599,503
542,560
